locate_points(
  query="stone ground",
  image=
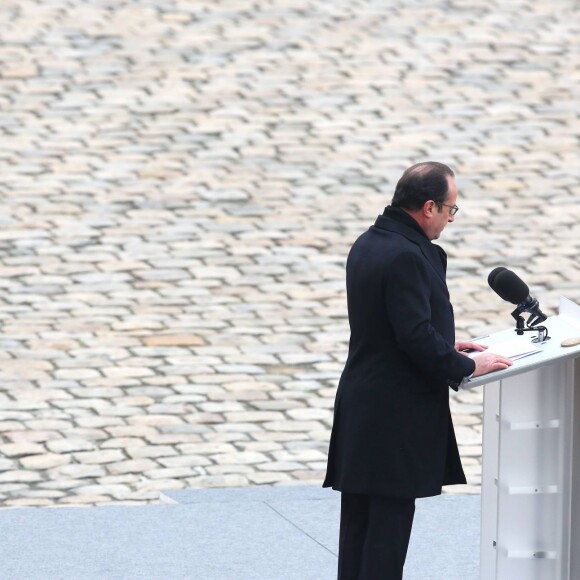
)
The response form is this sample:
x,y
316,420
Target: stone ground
x,y
181,182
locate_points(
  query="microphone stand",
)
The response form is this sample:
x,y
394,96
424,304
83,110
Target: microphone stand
x,y
530,326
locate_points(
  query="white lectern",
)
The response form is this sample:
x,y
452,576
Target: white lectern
x,y
530,496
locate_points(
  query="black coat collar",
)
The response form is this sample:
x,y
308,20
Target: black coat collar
x,y
398,221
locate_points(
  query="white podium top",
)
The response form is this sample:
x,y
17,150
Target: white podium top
x,y
564,325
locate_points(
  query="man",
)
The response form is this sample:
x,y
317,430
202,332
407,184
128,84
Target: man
x,y
392,439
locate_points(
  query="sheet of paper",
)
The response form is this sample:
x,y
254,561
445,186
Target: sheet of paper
x,y
514,348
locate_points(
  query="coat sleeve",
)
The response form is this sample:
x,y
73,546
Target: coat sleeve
x,y
408,304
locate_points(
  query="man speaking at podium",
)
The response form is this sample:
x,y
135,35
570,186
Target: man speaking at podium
x,y
393,440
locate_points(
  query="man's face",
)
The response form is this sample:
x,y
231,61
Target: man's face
x,y
441,216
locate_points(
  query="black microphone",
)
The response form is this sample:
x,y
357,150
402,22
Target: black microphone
x,y
513,289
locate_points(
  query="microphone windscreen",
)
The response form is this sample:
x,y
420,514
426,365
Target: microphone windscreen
x,y
493,274
510,287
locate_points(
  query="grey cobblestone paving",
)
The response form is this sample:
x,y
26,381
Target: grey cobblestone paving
x,y
181,182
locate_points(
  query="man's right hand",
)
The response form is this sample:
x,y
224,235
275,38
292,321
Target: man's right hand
x,y
489,362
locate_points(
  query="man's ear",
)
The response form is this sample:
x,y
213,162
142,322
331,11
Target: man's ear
x,y
428,208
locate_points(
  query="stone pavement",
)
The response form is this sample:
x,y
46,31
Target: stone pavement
x,y
281,533
181,182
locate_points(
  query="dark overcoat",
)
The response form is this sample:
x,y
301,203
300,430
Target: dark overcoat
x,y
392,433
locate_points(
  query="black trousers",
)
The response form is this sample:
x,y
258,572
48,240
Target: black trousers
x,y
374,536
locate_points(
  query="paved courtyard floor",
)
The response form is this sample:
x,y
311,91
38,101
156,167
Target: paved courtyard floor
x,y
282,532
180,184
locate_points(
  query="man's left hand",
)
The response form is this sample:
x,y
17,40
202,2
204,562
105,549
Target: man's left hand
x,y
465,347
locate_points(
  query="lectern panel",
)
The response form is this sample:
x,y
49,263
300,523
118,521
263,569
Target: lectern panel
x,y
529,523
533,398
528,459
526,567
